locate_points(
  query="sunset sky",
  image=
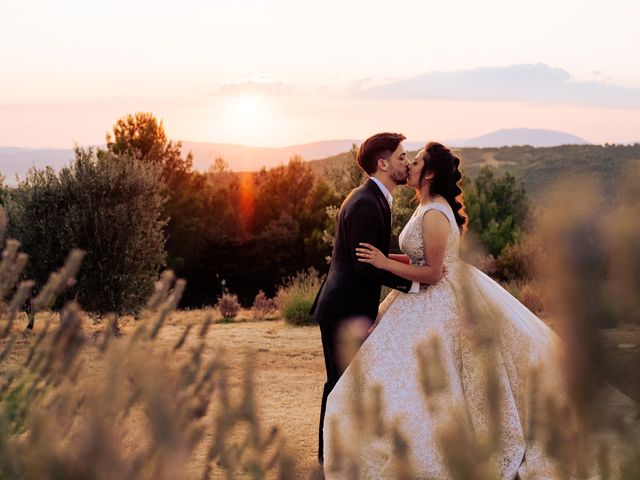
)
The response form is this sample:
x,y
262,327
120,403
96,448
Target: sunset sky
x,y
276,73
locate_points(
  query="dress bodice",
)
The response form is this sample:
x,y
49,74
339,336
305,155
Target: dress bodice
x,y
412,241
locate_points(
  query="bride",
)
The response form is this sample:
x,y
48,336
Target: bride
x,y
485,339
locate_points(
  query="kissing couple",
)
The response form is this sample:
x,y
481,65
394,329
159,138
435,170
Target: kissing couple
x,y
432,292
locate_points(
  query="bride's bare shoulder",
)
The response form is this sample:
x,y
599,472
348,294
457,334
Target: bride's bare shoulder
x,y
441,201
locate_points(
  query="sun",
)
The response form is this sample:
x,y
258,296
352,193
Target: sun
x,y
252,119
246,104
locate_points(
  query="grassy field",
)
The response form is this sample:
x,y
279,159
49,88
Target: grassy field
x,y
289,372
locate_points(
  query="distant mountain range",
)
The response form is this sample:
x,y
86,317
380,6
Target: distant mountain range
x,y
17,161
520,136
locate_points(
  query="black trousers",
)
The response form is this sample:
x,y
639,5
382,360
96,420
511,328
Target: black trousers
x,y
334,372
335,369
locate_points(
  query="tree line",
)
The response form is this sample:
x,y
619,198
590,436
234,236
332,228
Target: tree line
x,y
137,206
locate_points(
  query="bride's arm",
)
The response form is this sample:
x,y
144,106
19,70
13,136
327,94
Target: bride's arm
x,y
400,257
435,231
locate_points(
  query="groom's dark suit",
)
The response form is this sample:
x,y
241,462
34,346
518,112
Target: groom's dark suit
x,y
352,288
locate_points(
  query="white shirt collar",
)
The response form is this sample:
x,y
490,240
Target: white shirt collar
x,y
385,191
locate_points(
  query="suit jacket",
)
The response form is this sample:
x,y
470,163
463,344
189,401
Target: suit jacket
x,y
352,288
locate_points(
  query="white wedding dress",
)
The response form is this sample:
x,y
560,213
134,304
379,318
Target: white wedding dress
x,y
389,359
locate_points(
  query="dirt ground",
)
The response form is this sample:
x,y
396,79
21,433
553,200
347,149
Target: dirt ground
x,y
290,371
290,375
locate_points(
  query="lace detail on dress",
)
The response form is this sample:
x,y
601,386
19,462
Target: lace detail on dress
x,y
412,241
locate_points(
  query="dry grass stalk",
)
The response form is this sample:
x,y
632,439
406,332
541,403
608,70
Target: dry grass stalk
x,y
56,417
49,400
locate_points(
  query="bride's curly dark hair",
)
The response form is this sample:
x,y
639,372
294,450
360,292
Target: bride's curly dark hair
x,y
444,165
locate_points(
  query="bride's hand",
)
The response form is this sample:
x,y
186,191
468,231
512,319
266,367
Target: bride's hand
x,y
367,253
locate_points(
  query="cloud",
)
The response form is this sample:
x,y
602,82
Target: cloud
x,y
271,85
527,83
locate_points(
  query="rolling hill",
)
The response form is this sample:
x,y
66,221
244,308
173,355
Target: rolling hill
x,y
536,167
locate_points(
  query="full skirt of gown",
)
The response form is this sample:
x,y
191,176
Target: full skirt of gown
x,y
487,347
507,346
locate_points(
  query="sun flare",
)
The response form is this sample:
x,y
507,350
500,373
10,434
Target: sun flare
x,y
252,119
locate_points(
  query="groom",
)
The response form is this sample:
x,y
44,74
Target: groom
x,y
352,288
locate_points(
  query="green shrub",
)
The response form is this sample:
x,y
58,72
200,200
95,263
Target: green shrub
x,y
296,311
295,298
106,205
497,209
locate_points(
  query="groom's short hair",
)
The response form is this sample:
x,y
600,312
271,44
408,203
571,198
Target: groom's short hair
x,y
380,145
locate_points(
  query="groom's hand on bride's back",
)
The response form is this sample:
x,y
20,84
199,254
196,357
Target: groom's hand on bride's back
x,y
367,253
